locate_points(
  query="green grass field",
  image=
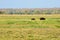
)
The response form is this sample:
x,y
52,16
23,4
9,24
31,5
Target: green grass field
x,y
24,21
21,27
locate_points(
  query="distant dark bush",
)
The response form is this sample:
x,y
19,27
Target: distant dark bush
x,y
1,12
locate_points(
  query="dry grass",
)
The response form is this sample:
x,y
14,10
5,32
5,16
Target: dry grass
x,y
29,34
21,27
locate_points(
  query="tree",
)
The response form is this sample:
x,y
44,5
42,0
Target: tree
x,y
48,12
1,12
36,12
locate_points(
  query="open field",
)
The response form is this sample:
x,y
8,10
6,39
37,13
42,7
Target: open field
x,y
21,27
29,34
24,21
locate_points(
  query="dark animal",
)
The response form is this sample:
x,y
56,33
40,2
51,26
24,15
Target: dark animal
x,y
42,18
32,18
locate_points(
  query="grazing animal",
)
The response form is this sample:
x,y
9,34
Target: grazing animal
x,y
42,18
33,19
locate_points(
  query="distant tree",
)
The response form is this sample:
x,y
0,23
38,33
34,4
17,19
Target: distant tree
x,y
30,12
57,11
27,12
10,12
1,12
36,12
48,12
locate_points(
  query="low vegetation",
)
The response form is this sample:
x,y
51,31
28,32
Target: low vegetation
x,y
22,27
29,34
29,21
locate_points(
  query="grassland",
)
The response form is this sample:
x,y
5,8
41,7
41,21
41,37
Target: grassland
x,y
21,27
29,34
24,21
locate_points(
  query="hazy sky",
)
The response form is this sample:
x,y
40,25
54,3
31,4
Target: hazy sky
x,y
29,3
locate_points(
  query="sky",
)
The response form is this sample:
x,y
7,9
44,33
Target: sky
x,y
29,3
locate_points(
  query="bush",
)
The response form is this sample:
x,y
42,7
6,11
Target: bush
x,y
1,12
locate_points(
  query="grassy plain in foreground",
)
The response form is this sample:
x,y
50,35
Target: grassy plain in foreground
x,y
29,34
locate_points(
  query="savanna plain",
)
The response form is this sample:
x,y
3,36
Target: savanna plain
x,y
22,27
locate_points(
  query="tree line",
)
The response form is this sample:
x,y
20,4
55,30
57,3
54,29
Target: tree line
x,y
34,11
